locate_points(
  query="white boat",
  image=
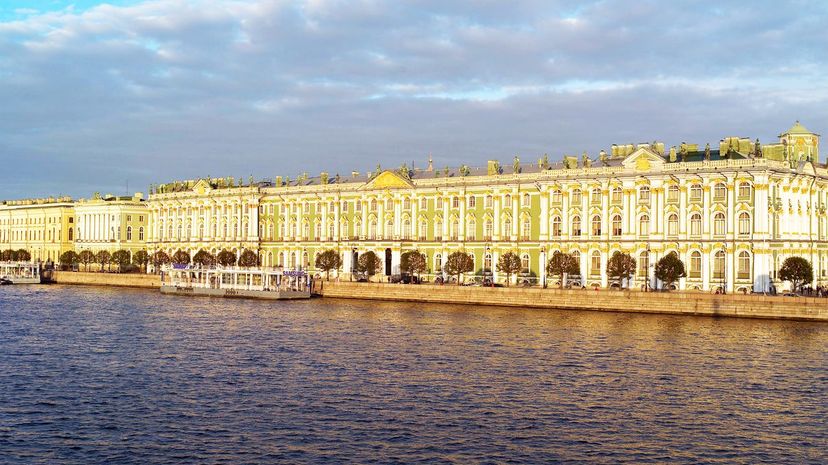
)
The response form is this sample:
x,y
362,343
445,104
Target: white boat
x,y
19,273
258,283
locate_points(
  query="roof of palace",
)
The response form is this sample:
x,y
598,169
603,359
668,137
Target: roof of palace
x,y
798,128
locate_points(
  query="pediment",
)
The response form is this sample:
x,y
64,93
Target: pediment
x,y
388,180
807,168
643,160
202,186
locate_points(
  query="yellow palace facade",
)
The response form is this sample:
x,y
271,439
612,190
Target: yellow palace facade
x,y
731,213
43,227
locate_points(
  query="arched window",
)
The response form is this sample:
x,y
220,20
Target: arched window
x,y
487,230
616,194
373,205
644,264
556,196
719,224
438,262
743,269
673,193
455,202
389,229
576,197
281,259
526,201
507,227
439,203
507,202
695,264
488,203
744,223
596,196
70,234
527,229
407,203
487,262
455,228
331,230
372,229
318,230
719,265
141,234
423,203
719,191
644,194
438,230
423,230
596,225
695,224
472,201
471,230
406,229
129,233
595,263
616,225
745,190
389,204
577,256
524,263
179,232
672,225
200,231
306,231
556,226
576,226
695,192
644,225
305,260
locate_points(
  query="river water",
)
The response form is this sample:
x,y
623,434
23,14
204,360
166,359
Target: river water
x,y
117,376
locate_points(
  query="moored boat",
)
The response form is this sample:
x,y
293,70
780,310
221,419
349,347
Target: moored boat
x,y
19,273
258,283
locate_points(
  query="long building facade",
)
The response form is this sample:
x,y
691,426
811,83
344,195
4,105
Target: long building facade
x,y
732,213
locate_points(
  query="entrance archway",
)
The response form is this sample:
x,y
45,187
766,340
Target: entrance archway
x,y
387,262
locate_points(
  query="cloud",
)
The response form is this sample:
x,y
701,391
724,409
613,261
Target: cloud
x,y
177,89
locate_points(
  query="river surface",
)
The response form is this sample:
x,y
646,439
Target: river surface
x,y
92,375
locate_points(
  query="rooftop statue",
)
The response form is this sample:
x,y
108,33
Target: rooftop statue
x,y
707,152
516,165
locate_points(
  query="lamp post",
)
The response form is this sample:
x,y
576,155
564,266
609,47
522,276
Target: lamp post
x,y
724,270
543,266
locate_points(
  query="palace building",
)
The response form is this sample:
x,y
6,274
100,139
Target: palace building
x,y
732,213
111,223
43,227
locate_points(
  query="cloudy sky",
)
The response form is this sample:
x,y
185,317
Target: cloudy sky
x,y
94,96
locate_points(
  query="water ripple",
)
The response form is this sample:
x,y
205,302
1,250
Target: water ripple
x,y
101,376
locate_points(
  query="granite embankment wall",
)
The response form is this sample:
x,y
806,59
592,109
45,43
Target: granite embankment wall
x,y
748,306
108,279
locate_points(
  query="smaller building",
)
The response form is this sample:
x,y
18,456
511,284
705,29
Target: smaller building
x,y
43,227
111,223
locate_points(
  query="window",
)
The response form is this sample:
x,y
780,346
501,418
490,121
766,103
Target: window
x,y
744,190
576,197
389,229
487,230
507,202
439,203
695,265
744,223
695,193
644,225
526,201
527,229
695,224
471,230
596,225
358,205
373,205
672,225
556,196
306,231
406,203
488,203
644,194
455,227
438,230
129,217
595,263
576,226
472,201
719,192
424,203
556,226
455,202
616,194
331,230
70,234
318,230
524,263
673,193
389,204
744,265
423,230
644,264
406,232
344,209
487,262
438,262
507,227
719,265
596,196
129,233
616,225
372,230
719,224
306,207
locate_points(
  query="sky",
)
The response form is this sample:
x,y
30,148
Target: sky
x,y
111,97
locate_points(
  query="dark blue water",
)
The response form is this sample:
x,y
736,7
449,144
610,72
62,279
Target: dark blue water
x,y
111,376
